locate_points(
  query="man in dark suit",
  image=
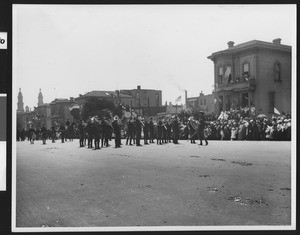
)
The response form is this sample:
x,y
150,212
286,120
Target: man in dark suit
x,y
201,127
175,127
146,131
117,130
81,133
138,130
159,132
151,130
130,131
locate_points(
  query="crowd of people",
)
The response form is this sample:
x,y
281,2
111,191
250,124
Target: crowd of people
x,y
97,132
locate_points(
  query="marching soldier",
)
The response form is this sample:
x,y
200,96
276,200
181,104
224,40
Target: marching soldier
x,y
146,131
90,134
96,133
106,129
201,127
117,130
175,127
138,130
130,131
151,130
159,132
169,127
81,133
164,131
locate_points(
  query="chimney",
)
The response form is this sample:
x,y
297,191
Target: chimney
x,y
230,44
277,41
139,87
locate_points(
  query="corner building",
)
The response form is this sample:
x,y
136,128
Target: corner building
x,y
254,73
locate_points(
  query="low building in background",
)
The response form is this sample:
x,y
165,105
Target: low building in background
x,y
174,108
142,101
205,103
60,110
146,101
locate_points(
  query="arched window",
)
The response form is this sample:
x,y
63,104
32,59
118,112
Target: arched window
x,y
277,72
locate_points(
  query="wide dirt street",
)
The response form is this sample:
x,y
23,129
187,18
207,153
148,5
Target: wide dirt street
x,y
224,183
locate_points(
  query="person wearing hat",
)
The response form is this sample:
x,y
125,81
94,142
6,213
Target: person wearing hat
x,y
90,133
201,127
117,130
146,131
96,133
151,130
81,133
130,131
138,131
169,127
105,133
175,128
159,132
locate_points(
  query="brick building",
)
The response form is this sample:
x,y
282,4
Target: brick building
x,y
143,101
146,101
254,73
202,102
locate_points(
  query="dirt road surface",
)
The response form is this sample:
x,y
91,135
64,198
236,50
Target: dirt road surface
x,y
224,183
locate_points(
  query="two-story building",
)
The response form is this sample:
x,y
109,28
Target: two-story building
x,y
254,73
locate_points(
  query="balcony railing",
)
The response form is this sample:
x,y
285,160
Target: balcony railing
x,y
237,84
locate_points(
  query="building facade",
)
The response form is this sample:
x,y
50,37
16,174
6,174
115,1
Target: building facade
x,y
43,114
60,110
255,73
143,101
205,103
146,101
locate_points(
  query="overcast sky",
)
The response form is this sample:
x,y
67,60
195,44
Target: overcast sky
x,y
67,50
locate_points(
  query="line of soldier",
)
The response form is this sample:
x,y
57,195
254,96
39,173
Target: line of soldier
x,y
164,130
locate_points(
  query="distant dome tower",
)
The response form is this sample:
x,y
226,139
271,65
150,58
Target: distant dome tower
x,y
40,98
20,102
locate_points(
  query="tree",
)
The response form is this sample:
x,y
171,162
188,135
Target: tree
x,y
75,112
102,108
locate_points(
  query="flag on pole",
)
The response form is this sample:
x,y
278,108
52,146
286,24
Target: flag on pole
x,y
227,74
276,111
178,99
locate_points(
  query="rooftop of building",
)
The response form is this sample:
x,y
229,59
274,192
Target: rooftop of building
x,y
275,45
104,94
61,100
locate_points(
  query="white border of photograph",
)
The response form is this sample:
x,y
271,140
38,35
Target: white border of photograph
x,y
3,161
151,228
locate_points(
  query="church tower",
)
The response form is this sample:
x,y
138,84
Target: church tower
x,y
40,98
20,102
